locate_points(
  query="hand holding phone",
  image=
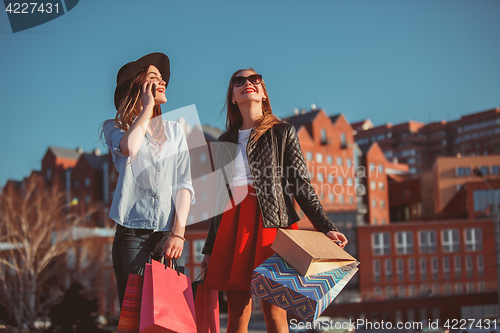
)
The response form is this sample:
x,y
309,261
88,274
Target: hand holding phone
x,y
153,90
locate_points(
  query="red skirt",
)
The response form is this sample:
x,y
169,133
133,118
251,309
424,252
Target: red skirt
x,y
242,243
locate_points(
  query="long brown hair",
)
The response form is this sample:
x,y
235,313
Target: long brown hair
x,y
127,111
234,119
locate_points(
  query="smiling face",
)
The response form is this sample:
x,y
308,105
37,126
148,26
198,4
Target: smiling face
x,y
248,92
154,76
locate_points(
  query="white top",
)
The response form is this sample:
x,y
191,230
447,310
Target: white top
x,y
241,171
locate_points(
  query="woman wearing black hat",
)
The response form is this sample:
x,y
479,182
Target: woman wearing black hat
x,y
152,160
268,172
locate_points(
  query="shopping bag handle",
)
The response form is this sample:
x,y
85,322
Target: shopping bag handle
x,y
172,263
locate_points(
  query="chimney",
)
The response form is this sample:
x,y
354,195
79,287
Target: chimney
x,y
295,112
97,152
303,111
313,107
79,150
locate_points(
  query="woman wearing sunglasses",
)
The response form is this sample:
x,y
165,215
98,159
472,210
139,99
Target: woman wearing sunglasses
x,y
268,171
152,160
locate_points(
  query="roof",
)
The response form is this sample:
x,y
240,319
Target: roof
x,y
66,153
95,161
334,118
211,133
302,119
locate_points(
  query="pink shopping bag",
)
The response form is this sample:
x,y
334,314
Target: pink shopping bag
x,y
167,301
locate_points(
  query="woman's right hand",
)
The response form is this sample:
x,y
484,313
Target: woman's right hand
x,y
204,262
147,98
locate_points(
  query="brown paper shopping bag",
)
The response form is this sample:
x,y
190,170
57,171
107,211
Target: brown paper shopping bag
x,y
310,252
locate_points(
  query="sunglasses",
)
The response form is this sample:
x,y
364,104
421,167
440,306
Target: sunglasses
x,y
238,81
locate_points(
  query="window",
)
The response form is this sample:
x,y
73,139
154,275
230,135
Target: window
x,y
480,265
435,268
350,182
462,171
423,268
447,288
341,198
375,221
446,267
412,292
77,183
331,197
484,198
323,136
351,200
340,180
468,266
381,185
427,241
481,286
373,185
469,287
400,269
319,158
329,159
321,177
458,288
374,203
203,157
384,221
348,162
473,239
401,292
186,251
376,270
495,170
198,246
457,263
389,292
382,204
485,170
404,242
87,181
49,174
87,199
342,140
380,168
450,240
330,178
411,268
388,270
309,156
339,160
381,243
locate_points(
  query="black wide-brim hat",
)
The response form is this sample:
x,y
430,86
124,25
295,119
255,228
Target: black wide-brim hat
x,y
128,71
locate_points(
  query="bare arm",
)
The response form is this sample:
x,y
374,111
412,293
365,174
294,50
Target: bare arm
x,y
132,139
174,245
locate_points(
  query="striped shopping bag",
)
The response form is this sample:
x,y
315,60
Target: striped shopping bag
x,y
131,308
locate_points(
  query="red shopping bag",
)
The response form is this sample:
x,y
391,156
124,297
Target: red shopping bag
x,y
207,309
167,301
131,308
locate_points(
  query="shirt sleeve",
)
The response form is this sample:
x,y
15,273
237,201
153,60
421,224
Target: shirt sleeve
x,y
113,136
184,165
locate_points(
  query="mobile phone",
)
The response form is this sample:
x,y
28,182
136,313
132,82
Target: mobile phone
x,y
153,89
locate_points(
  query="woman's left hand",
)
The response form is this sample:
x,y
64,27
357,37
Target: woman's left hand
x,y
173,247
338,237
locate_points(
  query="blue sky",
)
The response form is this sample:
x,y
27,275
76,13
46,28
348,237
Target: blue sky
x,y
389,61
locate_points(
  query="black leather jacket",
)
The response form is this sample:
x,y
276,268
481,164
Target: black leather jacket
x,y
279,173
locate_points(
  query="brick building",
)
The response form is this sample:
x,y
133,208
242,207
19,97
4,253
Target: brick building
x,y
406,263
418,144
450,173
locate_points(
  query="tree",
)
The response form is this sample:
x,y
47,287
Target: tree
x,y
35,230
